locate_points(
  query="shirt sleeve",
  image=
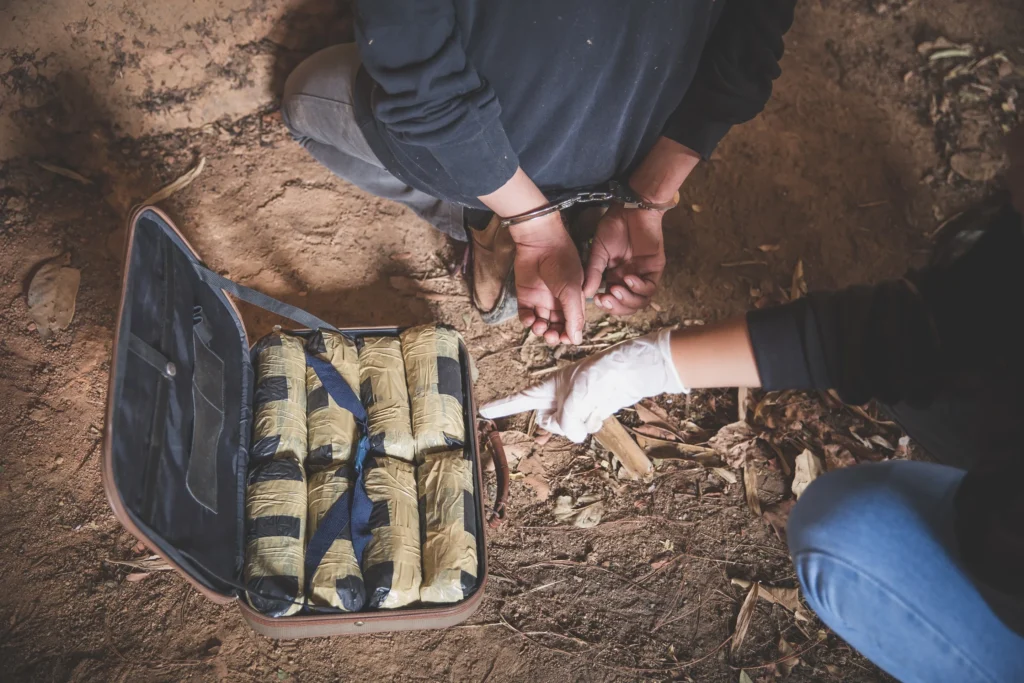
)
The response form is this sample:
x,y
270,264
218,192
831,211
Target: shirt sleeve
x,y
864,342
735,75
430,94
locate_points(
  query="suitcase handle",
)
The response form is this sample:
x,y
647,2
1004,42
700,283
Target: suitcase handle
x,y
497,516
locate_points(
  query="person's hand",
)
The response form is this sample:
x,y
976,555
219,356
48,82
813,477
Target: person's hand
x,y
577,399
629,253
549,280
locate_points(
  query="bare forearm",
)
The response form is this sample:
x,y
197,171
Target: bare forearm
x,y
718,355
663,171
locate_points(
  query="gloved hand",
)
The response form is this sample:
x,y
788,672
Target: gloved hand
x,y
575,400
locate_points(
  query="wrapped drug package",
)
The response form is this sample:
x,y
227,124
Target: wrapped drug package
x,y
391,562
384,394
275,519
444,476
337,583
434,378
450,567
276,491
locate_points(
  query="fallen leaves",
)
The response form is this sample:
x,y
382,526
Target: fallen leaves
x,y
584,517
52,294
788,598
725,474
808,468
635,463
979,166
177,185
743,620
736,443
144,567
66,172
789,660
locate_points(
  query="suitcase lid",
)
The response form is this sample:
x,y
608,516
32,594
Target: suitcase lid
x,y
179,406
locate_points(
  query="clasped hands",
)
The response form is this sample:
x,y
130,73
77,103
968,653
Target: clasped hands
x,y
628,254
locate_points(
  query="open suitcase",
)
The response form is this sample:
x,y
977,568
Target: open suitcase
x,y
175,462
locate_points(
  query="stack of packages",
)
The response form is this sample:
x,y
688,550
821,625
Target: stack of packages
x,y
419,542
391,561
337,583
275,503
444,471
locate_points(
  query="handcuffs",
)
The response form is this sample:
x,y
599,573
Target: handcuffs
x,y
617,193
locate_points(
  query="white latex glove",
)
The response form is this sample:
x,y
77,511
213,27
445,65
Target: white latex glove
x,y
577,399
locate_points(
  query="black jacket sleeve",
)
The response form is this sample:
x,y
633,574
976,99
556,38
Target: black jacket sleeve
x,y
432,96
734,79
864,342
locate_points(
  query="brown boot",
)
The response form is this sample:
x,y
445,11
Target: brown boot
x,y
492,253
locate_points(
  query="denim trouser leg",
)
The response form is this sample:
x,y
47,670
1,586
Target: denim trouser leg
x,y
317,108
876,556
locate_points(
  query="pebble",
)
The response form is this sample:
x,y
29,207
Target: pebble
x,y
32,327
59,461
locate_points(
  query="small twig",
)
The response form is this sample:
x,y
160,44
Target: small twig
x,y
795,655
673,620
527,635
871,205
737,264
540,588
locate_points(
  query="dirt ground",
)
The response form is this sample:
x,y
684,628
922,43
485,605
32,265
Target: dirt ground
x,y
867,146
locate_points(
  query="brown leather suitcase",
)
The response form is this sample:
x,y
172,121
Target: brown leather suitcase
x,y
174,461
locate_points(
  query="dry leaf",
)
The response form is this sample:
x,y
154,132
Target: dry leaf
x,y
736,443
832,669
135,577
725,474
52,294
745,677
743,620
540,486
789,660
178,185
66,172
808,467
798,287
750,488
879,440
635,463
518,445
778,516
584,518
838,457
590,516
658,564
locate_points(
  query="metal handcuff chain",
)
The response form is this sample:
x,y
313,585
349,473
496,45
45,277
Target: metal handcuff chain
x,y
618,194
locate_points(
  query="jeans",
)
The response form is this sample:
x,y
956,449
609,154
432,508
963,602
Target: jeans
x,y
876,556
318,110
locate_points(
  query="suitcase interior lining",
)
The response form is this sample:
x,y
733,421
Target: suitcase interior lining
x,y
153,420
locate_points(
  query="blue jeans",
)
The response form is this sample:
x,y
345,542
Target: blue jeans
x,y
876,555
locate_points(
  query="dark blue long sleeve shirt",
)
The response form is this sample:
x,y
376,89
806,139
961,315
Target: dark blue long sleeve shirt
x,y
456,94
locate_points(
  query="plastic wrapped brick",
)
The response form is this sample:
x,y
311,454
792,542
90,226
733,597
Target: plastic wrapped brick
x,y
275,520
446,491
434,378
333,432
383,391
279,425
337,583
391,561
